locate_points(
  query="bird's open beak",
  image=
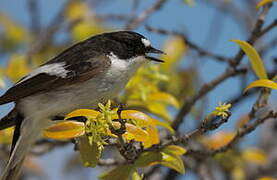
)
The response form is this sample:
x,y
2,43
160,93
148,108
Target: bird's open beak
x,y
155,51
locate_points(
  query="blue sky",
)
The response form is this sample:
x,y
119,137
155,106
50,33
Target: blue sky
x,y
194,21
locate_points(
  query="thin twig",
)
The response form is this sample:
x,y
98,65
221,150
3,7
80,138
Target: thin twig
x,y
183,139
269,27
136,21
242,17
48,34
248,128
34,16
201,51
255,35
185,109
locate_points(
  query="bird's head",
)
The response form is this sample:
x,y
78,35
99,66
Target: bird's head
x,y
128,44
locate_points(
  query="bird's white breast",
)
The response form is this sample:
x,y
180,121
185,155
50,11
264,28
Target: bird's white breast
x,y
87,94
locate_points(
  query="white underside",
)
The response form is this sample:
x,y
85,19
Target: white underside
x,y
83,95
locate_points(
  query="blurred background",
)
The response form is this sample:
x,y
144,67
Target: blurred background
x,y
33,31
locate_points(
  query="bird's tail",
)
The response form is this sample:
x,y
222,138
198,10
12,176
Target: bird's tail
x,y
30,131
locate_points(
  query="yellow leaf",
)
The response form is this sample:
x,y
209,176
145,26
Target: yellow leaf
x,y
153,137
262,83
133,132
141,118
267,178
85,29
218,140
175,49
263,2
6,135
90,113
255,59
253,155
159,110
17,67
13,31
65,130
238,173
76,10
163,97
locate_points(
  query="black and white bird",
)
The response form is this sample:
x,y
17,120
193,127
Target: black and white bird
x,y
87,73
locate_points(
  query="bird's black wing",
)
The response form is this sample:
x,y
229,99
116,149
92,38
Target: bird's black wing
x,y
76,71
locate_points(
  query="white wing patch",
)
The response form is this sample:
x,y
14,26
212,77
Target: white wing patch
x,y
146,42
56,69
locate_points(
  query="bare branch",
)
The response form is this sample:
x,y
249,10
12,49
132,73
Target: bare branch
x,y
206,88
201,51
136,21
255,35
244,131
34,16
269,27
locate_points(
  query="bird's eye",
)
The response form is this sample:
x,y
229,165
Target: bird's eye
x,y
146,42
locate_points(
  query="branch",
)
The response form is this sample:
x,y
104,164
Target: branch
x,y
136,21
269,27
47,35
185,109
183,139
206,88
248,128
255,35
34,16
229,8
201,51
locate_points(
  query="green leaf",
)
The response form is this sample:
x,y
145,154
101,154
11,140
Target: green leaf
x,y
262,83
90,152
148,158
254,57
118,173
172,158
174,162
136,176
189,2
174,150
